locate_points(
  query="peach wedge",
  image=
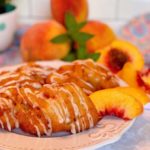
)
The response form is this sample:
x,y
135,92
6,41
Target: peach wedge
x,y
114,102
137,93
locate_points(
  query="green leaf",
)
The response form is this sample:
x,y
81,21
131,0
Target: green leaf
x,y
60,39
82,37
70,57
81,53
81,25
94,56
70,21
72,25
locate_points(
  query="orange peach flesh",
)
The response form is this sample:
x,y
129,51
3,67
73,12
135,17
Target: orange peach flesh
x,y
113,102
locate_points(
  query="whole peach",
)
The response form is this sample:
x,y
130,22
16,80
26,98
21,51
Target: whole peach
x,y
36,44
103,35
79,8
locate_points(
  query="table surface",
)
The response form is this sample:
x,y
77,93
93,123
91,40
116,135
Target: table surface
x,y
136,138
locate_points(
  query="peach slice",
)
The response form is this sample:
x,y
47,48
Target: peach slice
x,y
134,78
114,102
119,53
103,35
137,93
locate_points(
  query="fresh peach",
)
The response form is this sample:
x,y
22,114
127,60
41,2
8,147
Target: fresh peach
x,y
79,8
137,93
119,53
36,44
114,102
103,35
135,78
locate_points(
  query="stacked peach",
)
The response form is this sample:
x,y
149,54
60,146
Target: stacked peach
x,y
124,102
36,45
79,8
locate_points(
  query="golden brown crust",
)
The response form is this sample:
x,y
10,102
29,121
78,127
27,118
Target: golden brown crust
x,y
41,100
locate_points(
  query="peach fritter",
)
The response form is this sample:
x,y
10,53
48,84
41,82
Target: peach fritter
x,y
88,75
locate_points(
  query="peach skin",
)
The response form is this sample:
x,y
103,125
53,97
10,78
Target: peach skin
x,y
103,35
79,8
36,45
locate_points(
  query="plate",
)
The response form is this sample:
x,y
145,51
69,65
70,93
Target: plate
x,y
108,130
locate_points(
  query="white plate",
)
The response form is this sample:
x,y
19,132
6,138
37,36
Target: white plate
x,y
108,130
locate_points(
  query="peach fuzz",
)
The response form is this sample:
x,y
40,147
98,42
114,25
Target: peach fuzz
x,y
36,44
79,8
103,35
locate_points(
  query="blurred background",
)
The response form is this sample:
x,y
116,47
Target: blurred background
x,y
113,12
128,19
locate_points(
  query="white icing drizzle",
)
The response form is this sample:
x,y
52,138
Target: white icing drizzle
x,y
8,76
56,111
4,101
37,131
73,128
20,94
46,114
36,85
49,131
64,107
74,105
86,83
82,101
54,76
42,125
15,120
78,125
7,122
59,109
27,91
7,92
15,81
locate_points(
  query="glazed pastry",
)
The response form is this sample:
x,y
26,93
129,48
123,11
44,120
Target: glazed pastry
x,y
88,75
32,74
53,108
42,100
